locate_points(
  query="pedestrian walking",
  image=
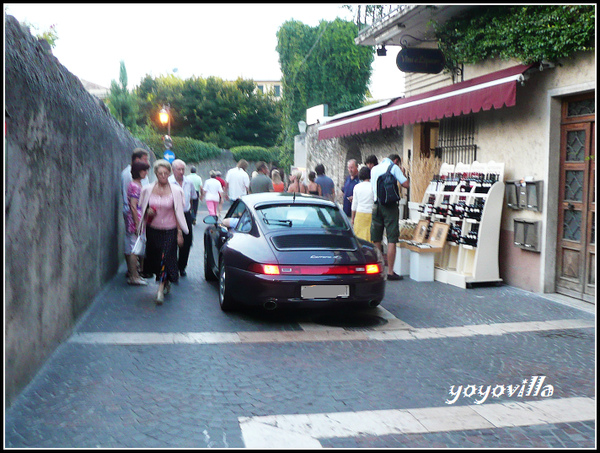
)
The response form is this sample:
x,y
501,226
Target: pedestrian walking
x,y
261,182
278,184
138,155
139,171
162,204
371,161
213,191
224,193
362,205
326,183
238,180
189,193
351,182
196,180
313,188
387,216
295,183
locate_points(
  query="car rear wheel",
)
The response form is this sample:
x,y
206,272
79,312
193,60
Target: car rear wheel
x,y
209,275
225,300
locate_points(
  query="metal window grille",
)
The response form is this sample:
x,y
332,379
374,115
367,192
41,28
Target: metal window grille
x,y
456,140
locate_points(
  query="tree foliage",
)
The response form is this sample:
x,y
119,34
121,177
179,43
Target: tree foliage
x,y
320,65
212,110
121,102
256,153
526,33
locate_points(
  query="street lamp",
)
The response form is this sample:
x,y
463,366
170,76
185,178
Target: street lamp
x,y
165,118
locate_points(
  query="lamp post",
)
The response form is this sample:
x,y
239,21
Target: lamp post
x,y
165,118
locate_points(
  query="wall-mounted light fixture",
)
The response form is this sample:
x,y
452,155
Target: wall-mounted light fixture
x,y
302,126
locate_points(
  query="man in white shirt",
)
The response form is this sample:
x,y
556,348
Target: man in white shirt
x,y
196,180
387,216
238,180
189,194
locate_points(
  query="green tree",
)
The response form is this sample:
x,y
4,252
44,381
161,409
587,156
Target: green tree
x,y
123,104
527,33
320,65
212,110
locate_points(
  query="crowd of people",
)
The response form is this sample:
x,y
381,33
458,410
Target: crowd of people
x,y
164,211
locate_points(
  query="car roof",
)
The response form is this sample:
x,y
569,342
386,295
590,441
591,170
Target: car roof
x,y
257,199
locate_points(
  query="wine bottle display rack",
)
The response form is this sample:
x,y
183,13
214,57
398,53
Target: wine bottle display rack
x,y
469,198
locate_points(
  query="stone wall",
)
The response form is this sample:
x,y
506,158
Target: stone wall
x,y
334,153
63,224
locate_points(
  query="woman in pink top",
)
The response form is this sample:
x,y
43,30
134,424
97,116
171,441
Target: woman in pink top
x,y
162,203
139,170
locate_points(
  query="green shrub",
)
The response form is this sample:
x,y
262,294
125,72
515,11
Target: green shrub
x,y
256,153
185,148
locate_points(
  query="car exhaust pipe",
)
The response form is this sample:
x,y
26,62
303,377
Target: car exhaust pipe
x,y
270,305
373,303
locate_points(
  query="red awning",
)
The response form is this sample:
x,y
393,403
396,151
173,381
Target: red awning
x,y
497,90
359,121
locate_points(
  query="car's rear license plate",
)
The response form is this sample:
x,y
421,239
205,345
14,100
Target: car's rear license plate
x,y
324,291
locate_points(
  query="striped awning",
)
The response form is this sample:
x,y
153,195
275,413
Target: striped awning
x,y
494,90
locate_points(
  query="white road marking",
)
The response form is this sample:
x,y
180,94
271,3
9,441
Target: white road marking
x,y
331,334
392,323
303,430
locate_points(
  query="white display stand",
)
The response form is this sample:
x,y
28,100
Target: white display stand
x,y
402,262
422,266
462,264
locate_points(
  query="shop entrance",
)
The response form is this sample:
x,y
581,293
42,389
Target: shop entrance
x,y
576,241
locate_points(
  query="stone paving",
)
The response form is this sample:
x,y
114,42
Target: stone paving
x,y
186,395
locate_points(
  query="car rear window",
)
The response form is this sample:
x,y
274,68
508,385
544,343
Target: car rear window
x,y
295,216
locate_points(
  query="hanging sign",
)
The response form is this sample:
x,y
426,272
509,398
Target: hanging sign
x,y
425,61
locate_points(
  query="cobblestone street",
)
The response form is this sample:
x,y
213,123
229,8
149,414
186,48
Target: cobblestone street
x,y
186,375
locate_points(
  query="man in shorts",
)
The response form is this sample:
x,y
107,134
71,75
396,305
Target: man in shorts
x,y
387,216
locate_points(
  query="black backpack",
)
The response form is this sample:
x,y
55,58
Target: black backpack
x,y
387,188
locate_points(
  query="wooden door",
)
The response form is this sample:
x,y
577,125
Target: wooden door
x,y
576,240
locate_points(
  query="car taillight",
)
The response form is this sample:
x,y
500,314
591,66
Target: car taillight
x,y
267,269
272,269
373,269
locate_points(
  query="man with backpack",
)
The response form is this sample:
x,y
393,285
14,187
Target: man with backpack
x,y
384,179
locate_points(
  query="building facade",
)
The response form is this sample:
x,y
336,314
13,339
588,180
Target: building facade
x,y
269,86
538,120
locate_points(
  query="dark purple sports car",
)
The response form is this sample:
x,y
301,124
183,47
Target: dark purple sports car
x,y
283,248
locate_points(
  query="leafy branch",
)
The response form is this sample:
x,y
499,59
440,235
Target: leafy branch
x,y
526,33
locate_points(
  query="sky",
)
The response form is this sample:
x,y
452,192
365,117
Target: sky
x,y
203,40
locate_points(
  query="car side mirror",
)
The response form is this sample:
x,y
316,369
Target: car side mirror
x,y
211,220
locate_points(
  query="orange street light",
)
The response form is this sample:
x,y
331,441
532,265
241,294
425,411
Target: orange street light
x,y
165,118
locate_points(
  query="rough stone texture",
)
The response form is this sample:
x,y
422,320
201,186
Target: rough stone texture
x,y
334,153
64,156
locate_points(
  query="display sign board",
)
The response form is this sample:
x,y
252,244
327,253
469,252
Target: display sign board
x,y
426,61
